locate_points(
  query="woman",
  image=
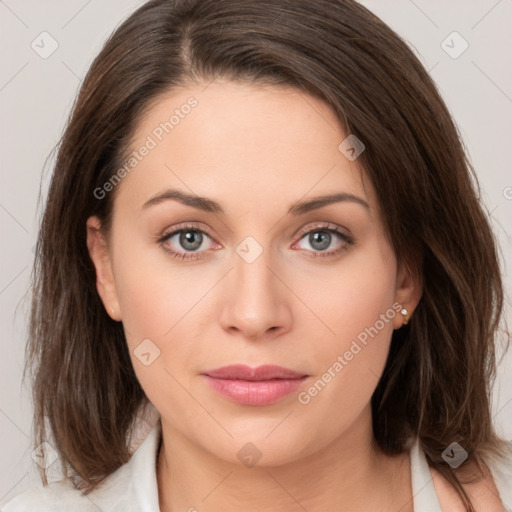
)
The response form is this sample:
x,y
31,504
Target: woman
x,y
264,280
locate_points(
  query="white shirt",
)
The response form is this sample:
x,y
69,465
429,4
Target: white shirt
x,y
133,487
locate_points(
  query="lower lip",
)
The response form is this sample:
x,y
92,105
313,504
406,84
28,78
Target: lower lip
x,y
254,392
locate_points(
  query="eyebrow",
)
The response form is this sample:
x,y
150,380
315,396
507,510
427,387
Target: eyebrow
x,y
208,205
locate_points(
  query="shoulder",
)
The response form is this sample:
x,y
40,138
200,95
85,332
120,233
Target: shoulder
x,y
121,491
114,495
491,493
54,496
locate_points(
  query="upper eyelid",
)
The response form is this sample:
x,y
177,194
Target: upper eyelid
x,y
328,226
324,225
190,226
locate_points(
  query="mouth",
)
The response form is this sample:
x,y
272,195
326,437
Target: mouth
x,y
262,385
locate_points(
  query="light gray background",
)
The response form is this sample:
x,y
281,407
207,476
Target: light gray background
x,y
36,95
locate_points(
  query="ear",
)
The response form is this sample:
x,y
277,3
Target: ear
x,y
409,288
98,251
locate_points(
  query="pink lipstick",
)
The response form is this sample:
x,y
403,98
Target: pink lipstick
x,y
263,385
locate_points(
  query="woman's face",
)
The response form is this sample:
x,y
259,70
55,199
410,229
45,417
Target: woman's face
x,y
253,278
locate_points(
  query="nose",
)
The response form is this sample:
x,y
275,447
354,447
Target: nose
x,y
256,300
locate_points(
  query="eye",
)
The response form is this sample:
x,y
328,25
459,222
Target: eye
x,y
322,237
190,241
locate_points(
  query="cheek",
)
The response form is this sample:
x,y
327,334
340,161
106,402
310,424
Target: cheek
x,y
153,303
355,295
359,308
149,306
155,307
154,293
163,307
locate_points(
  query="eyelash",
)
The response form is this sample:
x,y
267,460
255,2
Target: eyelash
x,y
326,227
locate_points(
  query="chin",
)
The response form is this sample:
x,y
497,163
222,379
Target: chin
x,y
260,443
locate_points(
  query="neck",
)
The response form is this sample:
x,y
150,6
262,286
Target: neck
x,y
348,474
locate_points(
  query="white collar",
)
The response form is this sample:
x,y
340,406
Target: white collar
x,y
423,490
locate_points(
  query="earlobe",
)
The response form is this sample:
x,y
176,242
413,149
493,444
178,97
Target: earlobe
x,y
409,288
98,252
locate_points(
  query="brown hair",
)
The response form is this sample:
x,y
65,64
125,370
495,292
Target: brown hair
x,y
437,380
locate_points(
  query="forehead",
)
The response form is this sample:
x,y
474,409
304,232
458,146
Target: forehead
x,y
242,145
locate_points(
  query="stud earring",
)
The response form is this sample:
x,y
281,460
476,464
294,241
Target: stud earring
x,y
405,314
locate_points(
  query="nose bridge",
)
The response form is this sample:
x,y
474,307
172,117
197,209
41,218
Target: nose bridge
x,y
252,275
255,301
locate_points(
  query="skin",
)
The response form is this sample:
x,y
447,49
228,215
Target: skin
x,y
256,150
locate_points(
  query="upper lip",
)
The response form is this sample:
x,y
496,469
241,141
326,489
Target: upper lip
x,y
243,372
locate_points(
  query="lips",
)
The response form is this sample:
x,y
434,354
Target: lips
x,y
262,385
264,372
